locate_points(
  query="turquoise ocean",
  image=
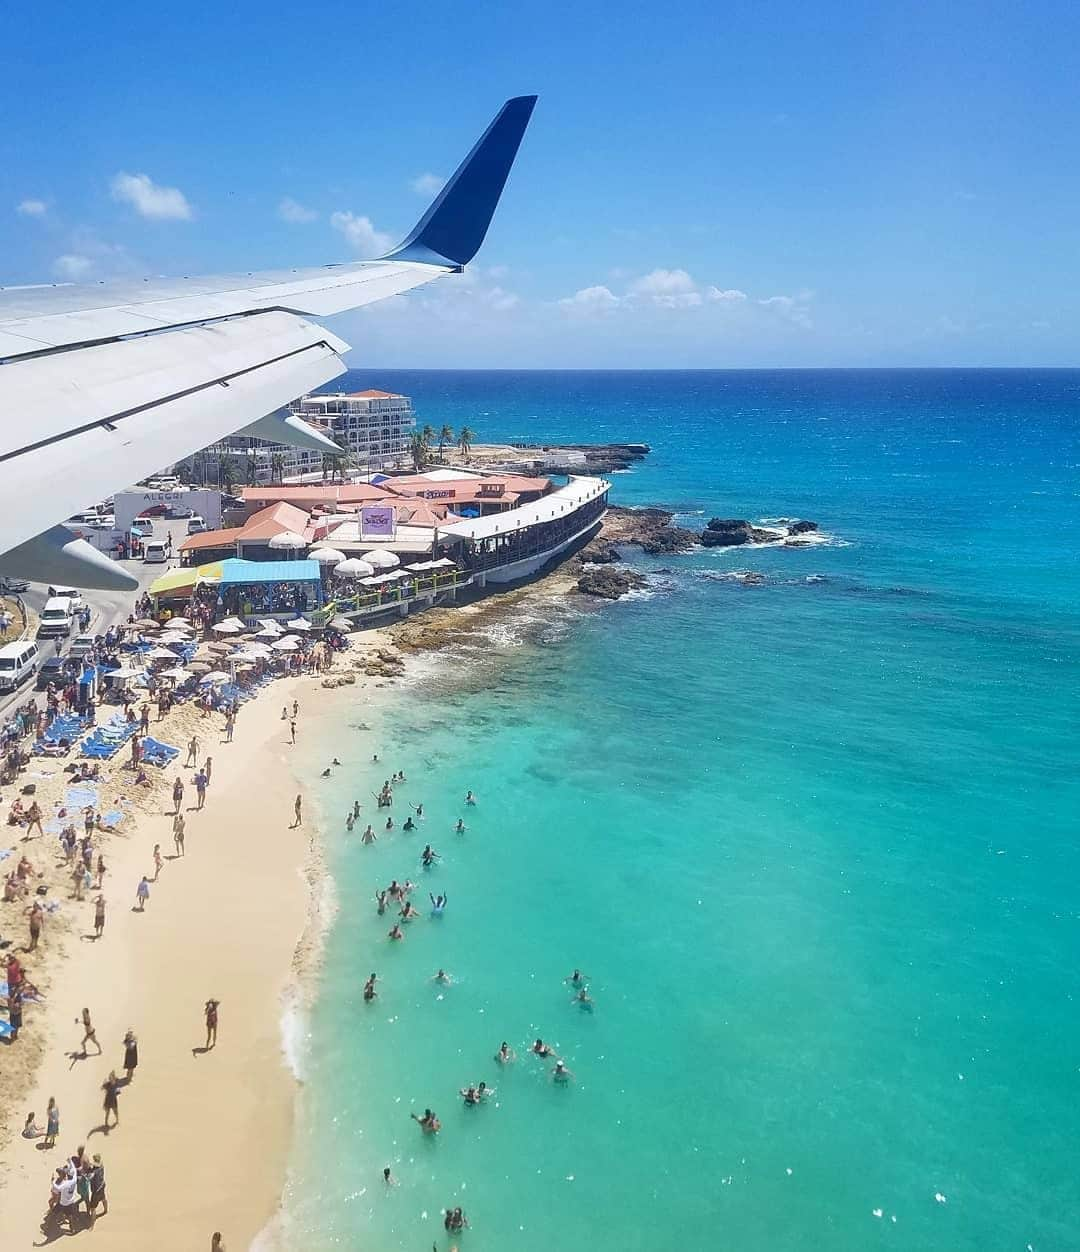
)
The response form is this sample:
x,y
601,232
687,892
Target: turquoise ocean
x,y
814,841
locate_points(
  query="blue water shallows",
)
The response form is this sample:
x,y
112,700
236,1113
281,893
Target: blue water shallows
x,y
813,840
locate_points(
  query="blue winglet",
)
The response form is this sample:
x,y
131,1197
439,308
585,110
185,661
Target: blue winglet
x,y
453,228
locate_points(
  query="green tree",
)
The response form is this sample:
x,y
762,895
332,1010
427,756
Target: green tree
x,y
465,438
418,450
428,436
251,470
277,466
446,435
226,472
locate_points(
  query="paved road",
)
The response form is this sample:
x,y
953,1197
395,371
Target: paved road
x,y
107,607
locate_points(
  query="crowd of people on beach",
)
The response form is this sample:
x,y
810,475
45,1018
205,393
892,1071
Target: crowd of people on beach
x,y
397,895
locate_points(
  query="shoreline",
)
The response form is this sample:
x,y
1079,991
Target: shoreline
x,y
218,919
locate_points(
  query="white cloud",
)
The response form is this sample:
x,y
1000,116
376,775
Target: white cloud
x,y
361,234
72,266
591,300
290,211
791,308
501,300
668,289
31,208
428,184
150,200
498,271
732,296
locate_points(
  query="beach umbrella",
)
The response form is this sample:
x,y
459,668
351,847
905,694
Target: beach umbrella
x,y
268,634
341,623
178,672
144,623
354,567
235,622
216,676
212,650
160,654
379,558
226,628
328,556
200,667
298,623
287,541
286,645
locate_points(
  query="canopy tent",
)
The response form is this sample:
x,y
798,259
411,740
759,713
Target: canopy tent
x,y
354,567
185,579
423,566
380,558
328,556
287,541
235,571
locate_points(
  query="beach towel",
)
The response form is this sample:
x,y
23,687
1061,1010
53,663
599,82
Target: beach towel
x,y
81,797
5,1029
113,818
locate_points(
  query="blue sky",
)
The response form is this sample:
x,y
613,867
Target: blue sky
x,y
750,184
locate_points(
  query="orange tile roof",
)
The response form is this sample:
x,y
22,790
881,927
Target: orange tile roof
x,y
212,539
375,395
273,521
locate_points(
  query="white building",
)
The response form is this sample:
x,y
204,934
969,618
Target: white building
x,y
372,427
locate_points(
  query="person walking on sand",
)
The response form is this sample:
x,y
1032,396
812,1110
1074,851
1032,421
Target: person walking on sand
x,y
37,924
100,872
200,788
97,1189
111,1103
157,861
89,1033
131,1055
230,723
211,1012
296,708
52,1123
208,769
178,793
292,730
33,818
142,893
99,916
178,833
298,809
193,751
217,1244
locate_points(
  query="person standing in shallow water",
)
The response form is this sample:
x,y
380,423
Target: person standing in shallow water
x,y
298,809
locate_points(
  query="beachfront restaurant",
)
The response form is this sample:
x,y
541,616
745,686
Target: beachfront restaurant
x,y
278,589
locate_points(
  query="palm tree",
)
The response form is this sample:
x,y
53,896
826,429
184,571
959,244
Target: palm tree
x,y
277,466
428,436
446,435
251,469
226,473
465,438
418,450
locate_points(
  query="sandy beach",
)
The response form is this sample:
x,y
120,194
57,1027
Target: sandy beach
x,y
203,1136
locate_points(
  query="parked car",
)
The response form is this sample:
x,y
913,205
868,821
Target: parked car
x,y
57,669
81,646
195,525
180,510
13,586
143,527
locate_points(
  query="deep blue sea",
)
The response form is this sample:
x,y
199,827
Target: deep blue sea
x,y
814,842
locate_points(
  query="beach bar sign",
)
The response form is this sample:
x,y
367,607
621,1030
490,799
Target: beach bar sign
x,y
377,520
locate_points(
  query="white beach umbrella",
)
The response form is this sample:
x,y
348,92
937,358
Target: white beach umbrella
x,y
379,558
160,654
216,676
267,633
341,623
286,645
233,621
225,628
328,556
178,672
124,674
298,623
287,541
354,567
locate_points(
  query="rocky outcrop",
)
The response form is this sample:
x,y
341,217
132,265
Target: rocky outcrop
x,y
382,663
607,583
801,528
730,532
648,528
339,680
600,552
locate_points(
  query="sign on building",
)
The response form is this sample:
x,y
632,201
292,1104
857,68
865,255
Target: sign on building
x,y
377,520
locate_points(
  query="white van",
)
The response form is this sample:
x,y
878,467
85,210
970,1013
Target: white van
x,y
195,525
155,552
143,527
18,661
57,617
68,593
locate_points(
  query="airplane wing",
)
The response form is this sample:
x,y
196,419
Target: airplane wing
x,y
102,385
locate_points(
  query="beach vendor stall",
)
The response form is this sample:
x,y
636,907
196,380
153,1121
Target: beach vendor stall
x,y
277,589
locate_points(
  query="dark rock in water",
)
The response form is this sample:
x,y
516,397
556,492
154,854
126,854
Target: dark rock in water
x,y
600,553
609,584
667,539
730,532
801,528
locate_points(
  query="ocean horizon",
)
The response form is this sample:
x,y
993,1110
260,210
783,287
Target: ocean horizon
x,y
811,835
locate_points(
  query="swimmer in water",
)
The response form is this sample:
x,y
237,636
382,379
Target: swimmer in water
x,y
375,759
583,999
409,824
543,1049
326,772
429,856
505,1054
394,891
470,798
577,978
438,903
389,824
470,1095
369,835
355,809
419,810
443,977
335,761
560,1073
395,932
460,827
389,1178
369,988
380,900
429,1123
408,912
349,820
